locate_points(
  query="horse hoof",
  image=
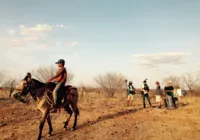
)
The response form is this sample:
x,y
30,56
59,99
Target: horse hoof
x,y
72,129
49,135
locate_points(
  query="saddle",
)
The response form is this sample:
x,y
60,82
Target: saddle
x,y
66,94
69,90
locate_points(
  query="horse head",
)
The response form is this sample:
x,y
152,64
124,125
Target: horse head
x,y
34,87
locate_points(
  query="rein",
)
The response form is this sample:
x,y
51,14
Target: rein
x,y
39,91
44,88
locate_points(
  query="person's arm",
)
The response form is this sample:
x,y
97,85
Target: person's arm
x,y
142,87
165,89
172,89
134,89
148,88
57,75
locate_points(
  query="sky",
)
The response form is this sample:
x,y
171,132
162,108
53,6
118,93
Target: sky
x,y
137,38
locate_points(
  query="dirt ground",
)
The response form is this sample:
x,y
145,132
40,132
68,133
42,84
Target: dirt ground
x,y
104,119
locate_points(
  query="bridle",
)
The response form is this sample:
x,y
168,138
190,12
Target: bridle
x,y
38,91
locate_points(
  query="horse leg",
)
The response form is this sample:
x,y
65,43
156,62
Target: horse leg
x,y
69,111
76,113
50,124
42,121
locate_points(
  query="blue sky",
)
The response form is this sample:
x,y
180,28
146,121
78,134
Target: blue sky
x,y
138,38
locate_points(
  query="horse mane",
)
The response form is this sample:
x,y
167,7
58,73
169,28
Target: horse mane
x,y
51,84
38,82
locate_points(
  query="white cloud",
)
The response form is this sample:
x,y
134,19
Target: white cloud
x,y
58,43
33,34
11,32
4,41
31,39
30,34
154,60
35,30
24,41
60,26
47,44
13,41
22,26
74,43
18,42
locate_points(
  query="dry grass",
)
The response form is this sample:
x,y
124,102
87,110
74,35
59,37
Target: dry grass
x,y
105,117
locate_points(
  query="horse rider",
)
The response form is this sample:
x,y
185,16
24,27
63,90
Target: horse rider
x,y
60,79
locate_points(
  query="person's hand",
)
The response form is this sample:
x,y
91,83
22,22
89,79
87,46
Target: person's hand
x,y
49,81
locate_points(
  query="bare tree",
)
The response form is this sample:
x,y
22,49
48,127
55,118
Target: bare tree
x,y
176,80
7,82
11,82
3,77
190,80
110,82
43,73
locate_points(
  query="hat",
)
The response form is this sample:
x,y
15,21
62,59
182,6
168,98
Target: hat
x,y
145,81
157,82
169,81
60,61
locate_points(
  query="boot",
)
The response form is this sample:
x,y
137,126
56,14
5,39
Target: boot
x,y
54,110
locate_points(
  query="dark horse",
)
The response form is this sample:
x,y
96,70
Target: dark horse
x,y
42,94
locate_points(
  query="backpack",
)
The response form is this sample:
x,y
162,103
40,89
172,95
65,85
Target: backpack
x,y
131,92
146,87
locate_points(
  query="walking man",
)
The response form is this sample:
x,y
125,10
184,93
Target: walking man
x,y
145,93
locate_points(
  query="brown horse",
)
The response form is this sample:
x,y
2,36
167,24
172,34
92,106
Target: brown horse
x,y
42,94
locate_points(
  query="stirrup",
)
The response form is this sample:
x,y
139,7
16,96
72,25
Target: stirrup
x,y
54,110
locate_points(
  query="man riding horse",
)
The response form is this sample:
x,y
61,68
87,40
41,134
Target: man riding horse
x,y
42,94
60,80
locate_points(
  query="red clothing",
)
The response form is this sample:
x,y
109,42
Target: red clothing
x,y
61,75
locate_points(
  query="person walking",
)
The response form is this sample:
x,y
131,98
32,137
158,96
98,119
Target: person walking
x,y
131,93
169,90
145,93
158,94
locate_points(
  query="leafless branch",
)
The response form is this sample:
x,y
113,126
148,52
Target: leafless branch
x,y
43,73
110,82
